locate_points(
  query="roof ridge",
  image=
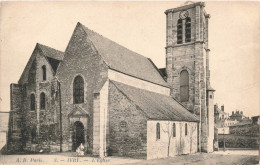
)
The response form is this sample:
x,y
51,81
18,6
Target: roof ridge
x,y
84,27
122,59
49,47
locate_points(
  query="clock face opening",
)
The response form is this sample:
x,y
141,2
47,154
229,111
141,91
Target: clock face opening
x,y
184,14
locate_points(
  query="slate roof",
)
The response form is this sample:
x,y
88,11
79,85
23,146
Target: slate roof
x,y
51,53
53,56
156,106
124,60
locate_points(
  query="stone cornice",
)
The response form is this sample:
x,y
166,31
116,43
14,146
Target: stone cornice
x,y
184,7
185,44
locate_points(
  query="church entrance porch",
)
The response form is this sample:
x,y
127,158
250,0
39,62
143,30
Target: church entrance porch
x,y
78,135
78,119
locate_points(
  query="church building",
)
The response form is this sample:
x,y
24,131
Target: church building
x,y
114,101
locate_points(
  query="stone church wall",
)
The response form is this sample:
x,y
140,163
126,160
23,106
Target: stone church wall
x,y
181,144
138,83
14,132
44,121
127,126
92,69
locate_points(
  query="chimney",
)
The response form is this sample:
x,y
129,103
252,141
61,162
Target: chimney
x,y
222,108
232,112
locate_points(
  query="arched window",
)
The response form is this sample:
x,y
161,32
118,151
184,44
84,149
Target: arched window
x,y
184,86
42,101
179,31
32,102
157,131
43,72
173,130
187,30
78,90
186,129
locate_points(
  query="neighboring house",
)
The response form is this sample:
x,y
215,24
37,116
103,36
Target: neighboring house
x,y
115,101
255,119
229,122
219,113
238,115
222,127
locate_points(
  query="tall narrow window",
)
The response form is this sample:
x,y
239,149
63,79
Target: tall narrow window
x,y
42,101
186,129
78,90
173,130
43,72
187,30
32,102
157,131
184,86
179,31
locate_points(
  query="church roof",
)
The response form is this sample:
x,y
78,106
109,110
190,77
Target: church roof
x,y
124,60
156,106
53,56
51,53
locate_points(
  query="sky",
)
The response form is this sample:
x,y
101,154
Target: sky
x,y
234,34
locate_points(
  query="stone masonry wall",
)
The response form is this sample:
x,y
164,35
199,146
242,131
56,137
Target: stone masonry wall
x,y
92,69
193,57
47,123
43,121
14,129
127,126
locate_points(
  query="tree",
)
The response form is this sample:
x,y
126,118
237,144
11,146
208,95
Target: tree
x,y
167,129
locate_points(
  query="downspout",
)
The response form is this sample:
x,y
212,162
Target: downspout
x,y
200,116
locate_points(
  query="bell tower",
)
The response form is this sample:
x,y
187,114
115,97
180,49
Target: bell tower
x,y
187,65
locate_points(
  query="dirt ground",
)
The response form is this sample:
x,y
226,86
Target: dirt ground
x,y
229,157
221,158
